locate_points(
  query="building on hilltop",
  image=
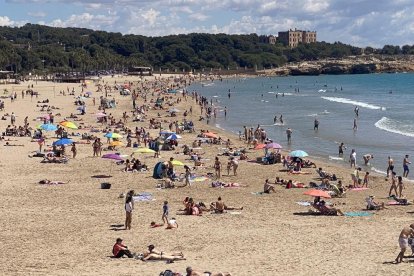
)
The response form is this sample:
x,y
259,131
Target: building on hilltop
x,y
294,37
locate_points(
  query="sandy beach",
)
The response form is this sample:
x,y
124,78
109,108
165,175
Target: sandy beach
x,y
67,229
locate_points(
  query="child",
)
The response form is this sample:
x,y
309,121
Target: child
x,y
400,187
366,180
165,212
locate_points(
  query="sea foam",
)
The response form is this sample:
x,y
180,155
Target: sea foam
x,y
348,101
395,126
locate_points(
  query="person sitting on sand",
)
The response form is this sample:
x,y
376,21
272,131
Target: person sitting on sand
x,y
190,272
372,205
119,249
326,210
406,233
267,188
220,207
172,224
155,255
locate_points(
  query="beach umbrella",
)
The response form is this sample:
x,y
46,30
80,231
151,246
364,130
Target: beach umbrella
x,y
173,110
100,115
113,135
174,137
273,146
68,125
47,127
316,193
112,156
144,150
116,143
164,132
177,163
298,153
63,141
260,146
210,135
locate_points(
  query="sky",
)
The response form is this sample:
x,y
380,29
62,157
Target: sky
x,y
357,22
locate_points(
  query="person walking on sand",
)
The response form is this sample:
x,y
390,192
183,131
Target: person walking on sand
x,y
187,176
393,184
405,165
217,167
406,233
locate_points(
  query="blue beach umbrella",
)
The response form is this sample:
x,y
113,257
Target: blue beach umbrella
x,y
173,137
166,132
298,153
63,141
48,127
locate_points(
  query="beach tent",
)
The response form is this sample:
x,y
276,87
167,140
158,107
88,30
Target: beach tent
x,y
157,174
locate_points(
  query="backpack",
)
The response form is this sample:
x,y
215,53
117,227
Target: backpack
x,y
169,273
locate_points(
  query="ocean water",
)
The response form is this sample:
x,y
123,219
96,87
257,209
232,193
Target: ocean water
x,y
385,121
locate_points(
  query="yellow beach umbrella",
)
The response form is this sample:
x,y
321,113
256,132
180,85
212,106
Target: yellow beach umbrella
x,y
177,163
144,150
68,124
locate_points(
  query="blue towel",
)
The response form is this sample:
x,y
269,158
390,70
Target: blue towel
x,y
358,214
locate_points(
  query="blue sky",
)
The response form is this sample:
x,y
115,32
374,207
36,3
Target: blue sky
x,y
357,22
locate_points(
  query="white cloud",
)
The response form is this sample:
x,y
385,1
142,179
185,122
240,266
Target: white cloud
x,y
198,16
6,21
151,16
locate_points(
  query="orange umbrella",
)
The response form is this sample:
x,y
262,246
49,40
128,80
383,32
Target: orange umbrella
x,y
316,193
259,146
210,135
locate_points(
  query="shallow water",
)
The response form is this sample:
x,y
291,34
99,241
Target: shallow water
x,y
385,121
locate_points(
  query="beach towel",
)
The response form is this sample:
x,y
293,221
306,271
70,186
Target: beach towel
x,y
304,203
359,189
143,197
391,203
358,214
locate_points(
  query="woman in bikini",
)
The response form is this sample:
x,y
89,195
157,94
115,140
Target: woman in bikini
x,y
217,167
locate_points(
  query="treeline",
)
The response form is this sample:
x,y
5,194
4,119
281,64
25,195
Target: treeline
x,y
34,48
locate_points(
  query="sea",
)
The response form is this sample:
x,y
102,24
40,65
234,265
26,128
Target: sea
x,y
385,118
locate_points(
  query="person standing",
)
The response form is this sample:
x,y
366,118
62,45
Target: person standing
x,y
355,124
165,212
316,124
129,207
393,184
352,158
356,110
187,175
217,167
289,135
390,167
405,165
401,187
341,149
73,150
12,118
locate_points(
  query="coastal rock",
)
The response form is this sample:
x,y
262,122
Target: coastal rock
x,y
363,68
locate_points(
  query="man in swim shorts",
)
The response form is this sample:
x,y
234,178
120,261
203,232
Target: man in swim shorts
x,y
390,167
406,233
405,166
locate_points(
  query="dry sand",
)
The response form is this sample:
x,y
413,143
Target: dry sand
x,y
66,229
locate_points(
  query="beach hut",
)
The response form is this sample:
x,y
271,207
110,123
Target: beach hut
x,y
157,174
